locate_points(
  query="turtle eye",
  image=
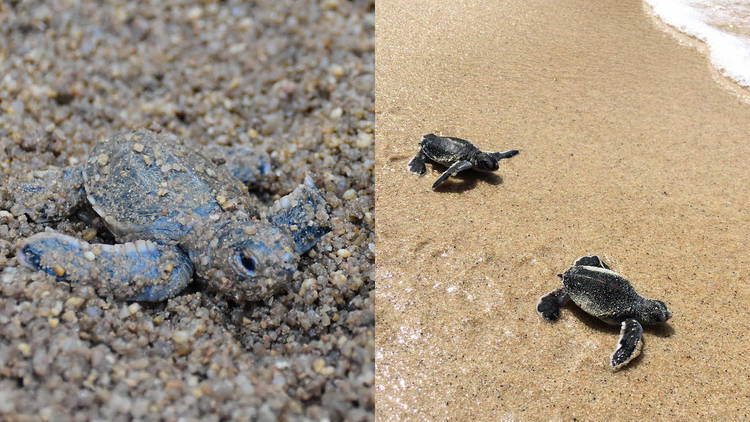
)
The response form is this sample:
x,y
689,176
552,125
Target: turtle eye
x,y
488,164
246,263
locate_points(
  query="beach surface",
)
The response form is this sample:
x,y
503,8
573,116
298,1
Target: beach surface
x,y
293,79
630,149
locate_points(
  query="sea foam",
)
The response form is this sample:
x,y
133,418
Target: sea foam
x,y
724,25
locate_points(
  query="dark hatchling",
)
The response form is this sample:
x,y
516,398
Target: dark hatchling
x,y
608,296
175,213
456,154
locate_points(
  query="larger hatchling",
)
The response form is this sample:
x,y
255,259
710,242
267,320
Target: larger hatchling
x,y
603,293
175,214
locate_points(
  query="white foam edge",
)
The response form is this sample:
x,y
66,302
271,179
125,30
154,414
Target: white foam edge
x,y
728,53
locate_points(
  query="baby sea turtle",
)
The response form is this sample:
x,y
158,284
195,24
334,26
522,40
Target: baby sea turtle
x,y
456,154
608,296
174,213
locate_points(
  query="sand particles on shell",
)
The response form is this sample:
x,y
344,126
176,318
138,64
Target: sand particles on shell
x,y
292,79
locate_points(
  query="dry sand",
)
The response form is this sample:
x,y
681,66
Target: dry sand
x,y
292,78
629,149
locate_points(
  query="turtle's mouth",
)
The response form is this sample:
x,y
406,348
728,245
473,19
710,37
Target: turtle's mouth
x,y
667,315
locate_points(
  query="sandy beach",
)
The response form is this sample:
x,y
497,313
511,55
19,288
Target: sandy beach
x,y
629,149
292,79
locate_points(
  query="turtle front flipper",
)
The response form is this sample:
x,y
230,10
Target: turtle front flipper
x,y
590,261
304,212
549,305
630,344
140,270
457,167
47,195
416,165
248,165
500,155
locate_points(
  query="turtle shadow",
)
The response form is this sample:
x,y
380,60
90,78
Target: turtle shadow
x,y
660,330
465,180
591,322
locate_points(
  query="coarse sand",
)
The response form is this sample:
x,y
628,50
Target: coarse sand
x,y
291,78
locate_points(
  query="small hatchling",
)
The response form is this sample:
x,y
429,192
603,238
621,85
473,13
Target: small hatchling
x,y
174,213
608,296
456,154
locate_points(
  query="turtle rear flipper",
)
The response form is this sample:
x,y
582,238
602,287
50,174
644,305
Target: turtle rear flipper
x,y
140,270
249,166
630,344
549,305
457,167
305,213
500,155
591,261
51,195
416,165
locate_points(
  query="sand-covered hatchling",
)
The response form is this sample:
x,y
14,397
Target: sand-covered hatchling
x,y
608,296
456,154
175,213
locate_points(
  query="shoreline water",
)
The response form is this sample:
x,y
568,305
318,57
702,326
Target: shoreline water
x,y
734,80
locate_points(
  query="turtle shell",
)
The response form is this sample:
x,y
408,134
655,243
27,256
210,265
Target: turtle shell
x,y
148,186
602,293
447,150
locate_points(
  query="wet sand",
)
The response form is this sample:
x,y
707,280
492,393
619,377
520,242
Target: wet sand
x,y
291,78
629,149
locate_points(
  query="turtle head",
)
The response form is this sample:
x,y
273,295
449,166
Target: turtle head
x,y
654,311
253,261
485,162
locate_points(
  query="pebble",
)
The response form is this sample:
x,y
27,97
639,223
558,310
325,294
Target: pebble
x,y
337,71
5,217
338,278
180,337
59,271
69,316
74,302
89,234
364,140
318,365
333,141
25,349
102,159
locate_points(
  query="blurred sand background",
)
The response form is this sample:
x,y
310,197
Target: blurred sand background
x,y
629,149
292,78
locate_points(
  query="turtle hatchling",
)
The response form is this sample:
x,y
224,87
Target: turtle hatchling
x,y
175,213
608,296
456,154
